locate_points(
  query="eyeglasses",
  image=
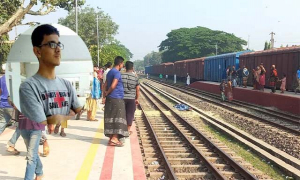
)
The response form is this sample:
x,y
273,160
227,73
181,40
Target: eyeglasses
x,y
53,45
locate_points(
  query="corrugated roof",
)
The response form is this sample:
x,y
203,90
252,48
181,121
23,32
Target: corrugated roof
x,y
273,51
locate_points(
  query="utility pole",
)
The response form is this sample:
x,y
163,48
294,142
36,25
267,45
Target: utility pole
x,y
98,39
272,39
76,16
216,48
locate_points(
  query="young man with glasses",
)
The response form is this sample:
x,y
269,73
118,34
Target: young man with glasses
x,y
44,97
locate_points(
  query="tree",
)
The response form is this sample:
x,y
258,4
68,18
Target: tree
x,y
186,43
4,50
12,12
152,58
139,65
267,45
108,53
87,26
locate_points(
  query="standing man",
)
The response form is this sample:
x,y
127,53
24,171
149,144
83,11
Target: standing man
x,y
44,97
115,124
188,80
160,77
298,80
7,108
273,79
240,76
174,78
167,77
131,93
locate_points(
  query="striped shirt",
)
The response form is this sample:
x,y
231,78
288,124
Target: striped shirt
x,y
130,82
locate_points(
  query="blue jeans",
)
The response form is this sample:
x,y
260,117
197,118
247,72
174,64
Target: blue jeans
x,y
6,117
34,164
14,138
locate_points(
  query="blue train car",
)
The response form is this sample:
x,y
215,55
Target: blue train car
x,y
149,70
215,66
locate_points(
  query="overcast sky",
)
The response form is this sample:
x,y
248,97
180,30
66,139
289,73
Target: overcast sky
x,y
143,24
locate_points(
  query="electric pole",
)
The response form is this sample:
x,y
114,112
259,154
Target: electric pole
x,y
216,48
272,39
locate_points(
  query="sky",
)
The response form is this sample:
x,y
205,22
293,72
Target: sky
x,y
144,24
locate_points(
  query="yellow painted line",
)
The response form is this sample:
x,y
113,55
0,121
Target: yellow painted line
x,y
90,157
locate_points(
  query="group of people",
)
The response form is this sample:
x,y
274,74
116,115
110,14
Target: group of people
x,y
47,101
240,77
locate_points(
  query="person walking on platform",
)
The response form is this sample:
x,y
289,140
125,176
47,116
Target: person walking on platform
x,y
131,93
273,79
222,90
188,80
245,75
44,97
167,77
7,110
298,80
262,77
115,124
283,83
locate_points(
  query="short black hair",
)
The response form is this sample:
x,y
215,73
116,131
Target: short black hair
x,y
129,65
39,32
118,60
108,65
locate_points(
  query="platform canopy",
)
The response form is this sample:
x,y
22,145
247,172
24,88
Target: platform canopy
x,y
74,47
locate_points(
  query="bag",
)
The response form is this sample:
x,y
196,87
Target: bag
x,y
15,115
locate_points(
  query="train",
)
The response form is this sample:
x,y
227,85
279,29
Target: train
x,y
286,60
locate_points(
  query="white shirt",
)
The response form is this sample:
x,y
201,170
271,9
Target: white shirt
x,y
105,73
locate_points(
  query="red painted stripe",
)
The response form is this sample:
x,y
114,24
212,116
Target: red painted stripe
x,y
137,160
107,168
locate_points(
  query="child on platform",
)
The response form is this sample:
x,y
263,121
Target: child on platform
x,y
283,83
222,89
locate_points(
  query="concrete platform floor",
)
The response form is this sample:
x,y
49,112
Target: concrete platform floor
x,y
82,155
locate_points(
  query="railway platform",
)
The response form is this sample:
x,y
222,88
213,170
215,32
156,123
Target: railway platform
x,y
289,101
82,155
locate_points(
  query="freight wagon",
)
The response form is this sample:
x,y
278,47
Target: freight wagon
x,y
286,60
215,66
195,68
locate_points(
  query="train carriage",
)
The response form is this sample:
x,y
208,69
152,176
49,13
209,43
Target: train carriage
x,y
215,66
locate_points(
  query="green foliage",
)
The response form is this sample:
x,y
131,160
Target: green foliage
x,y
267,45
87,26
4,50
109,52
186,43
65,4
152,58
139,65
7,9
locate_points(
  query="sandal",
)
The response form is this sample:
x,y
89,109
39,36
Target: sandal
x,y
117,144
63,134
13,152
94,120
56,129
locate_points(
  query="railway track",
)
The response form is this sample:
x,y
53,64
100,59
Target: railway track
x,y
285,121
286,162
189,152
